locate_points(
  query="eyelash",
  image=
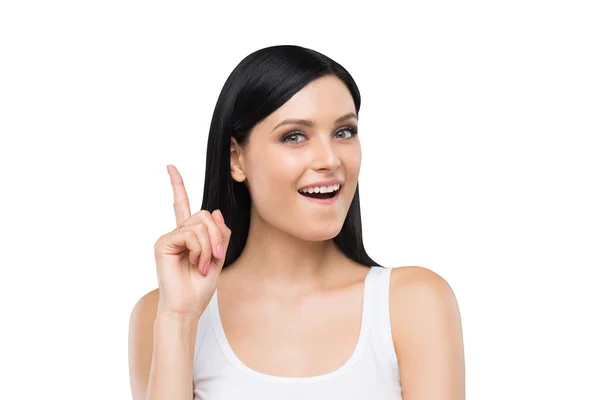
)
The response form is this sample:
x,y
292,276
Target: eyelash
x,y
353,130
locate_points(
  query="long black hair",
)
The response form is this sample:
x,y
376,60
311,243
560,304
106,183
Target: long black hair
x,y
260,84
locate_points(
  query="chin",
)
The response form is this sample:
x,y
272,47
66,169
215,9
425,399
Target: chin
x,y
320,233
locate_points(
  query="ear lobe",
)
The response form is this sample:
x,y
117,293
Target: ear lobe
x,y
236,161
237,175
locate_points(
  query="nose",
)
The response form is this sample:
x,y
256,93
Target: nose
x,y
325,155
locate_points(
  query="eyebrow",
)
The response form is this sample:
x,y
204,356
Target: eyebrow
x,y
309,122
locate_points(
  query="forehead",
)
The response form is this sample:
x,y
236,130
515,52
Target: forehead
x,y
323,100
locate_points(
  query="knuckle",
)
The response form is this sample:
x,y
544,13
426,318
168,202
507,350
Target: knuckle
x,y
190,235
204,213
201,228
200,232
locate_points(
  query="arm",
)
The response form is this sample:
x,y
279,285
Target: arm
x,y
161,351
427,333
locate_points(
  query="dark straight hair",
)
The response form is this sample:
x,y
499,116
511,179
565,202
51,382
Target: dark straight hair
x,y
260,84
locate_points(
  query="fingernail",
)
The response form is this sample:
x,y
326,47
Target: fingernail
x,y
220,251
205,269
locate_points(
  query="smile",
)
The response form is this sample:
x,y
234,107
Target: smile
x,y
322,198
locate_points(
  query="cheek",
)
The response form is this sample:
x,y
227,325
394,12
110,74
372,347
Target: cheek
x,y
353,161
357,162
290,161
274,174
284,167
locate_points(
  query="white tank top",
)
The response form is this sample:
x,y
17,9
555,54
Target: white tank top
x,y
371,372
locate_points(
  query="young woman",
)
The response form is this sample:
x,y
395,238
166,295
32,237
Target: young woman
x,y
267,292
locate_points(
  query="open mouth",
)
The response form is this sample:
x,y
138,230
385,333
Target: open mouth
x,y
328,195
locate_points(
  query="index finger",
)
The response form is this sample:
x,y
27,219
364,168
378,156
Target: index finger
x,y
181,203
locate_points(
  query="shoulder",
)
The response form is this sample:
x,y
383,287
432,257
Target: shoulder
x,y
141,338
142,316
419,299
141,321
427,333
406,283
146,306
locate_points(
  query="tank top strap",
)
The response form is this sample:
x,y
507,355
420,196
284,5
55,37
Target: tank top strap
x,y
370,289
382,327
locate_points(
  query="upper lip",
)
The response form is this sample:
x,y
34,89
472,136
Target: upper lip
x,y
324,183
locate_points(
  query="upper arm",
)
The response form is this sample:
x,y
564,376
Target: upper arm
x,y
141,337
427,333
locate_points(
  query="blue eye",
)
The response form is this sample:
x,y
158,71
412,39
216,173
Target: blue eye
x,y
352,129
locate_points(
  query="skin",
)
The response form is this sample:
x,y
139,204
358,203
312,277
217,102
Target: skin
x,y
289,243
276,300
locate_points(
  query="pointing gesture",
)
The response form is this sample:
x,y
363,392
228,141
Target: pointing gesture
x,y
181,203
189,259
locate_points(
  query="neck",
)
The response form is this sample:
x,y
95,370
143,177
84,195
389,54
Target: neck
x,y
281,262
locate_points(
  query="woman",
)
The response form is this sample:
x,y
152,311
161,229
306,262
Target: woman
x,y
267,292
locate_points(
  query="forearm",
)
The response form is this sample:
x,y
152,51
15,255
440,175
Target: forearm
x,y
172,358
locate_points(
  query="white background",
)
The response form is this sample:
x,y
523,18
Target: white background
x,y
479,125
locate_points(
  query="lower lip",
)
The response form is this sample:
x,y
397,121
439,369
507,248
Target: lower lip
x,y
323,201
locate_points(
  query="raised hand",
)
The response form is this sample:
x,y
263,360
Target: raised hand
x,y
189,259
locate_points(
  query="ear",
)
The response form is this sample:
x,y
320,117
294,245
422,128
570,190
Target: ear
x,y
237,161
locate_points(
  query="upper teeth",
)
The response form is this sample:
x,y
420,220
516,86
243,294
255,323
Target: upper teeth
x,y
320,189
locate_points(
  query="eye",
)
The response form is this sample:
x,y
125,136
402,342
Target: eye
x,y
293,134
352,129
296,134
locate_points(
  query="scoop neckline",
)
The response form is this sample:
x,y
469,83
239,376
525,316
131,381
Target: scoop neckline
x,y
359,349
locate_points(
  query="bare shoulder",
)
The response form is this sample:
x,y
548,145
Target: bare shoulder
x,y
148,303
427,334
141,337
419,296
407,281
143,313
142,317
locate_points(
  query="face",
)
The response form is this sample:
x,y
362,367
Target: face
x,y
281,158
